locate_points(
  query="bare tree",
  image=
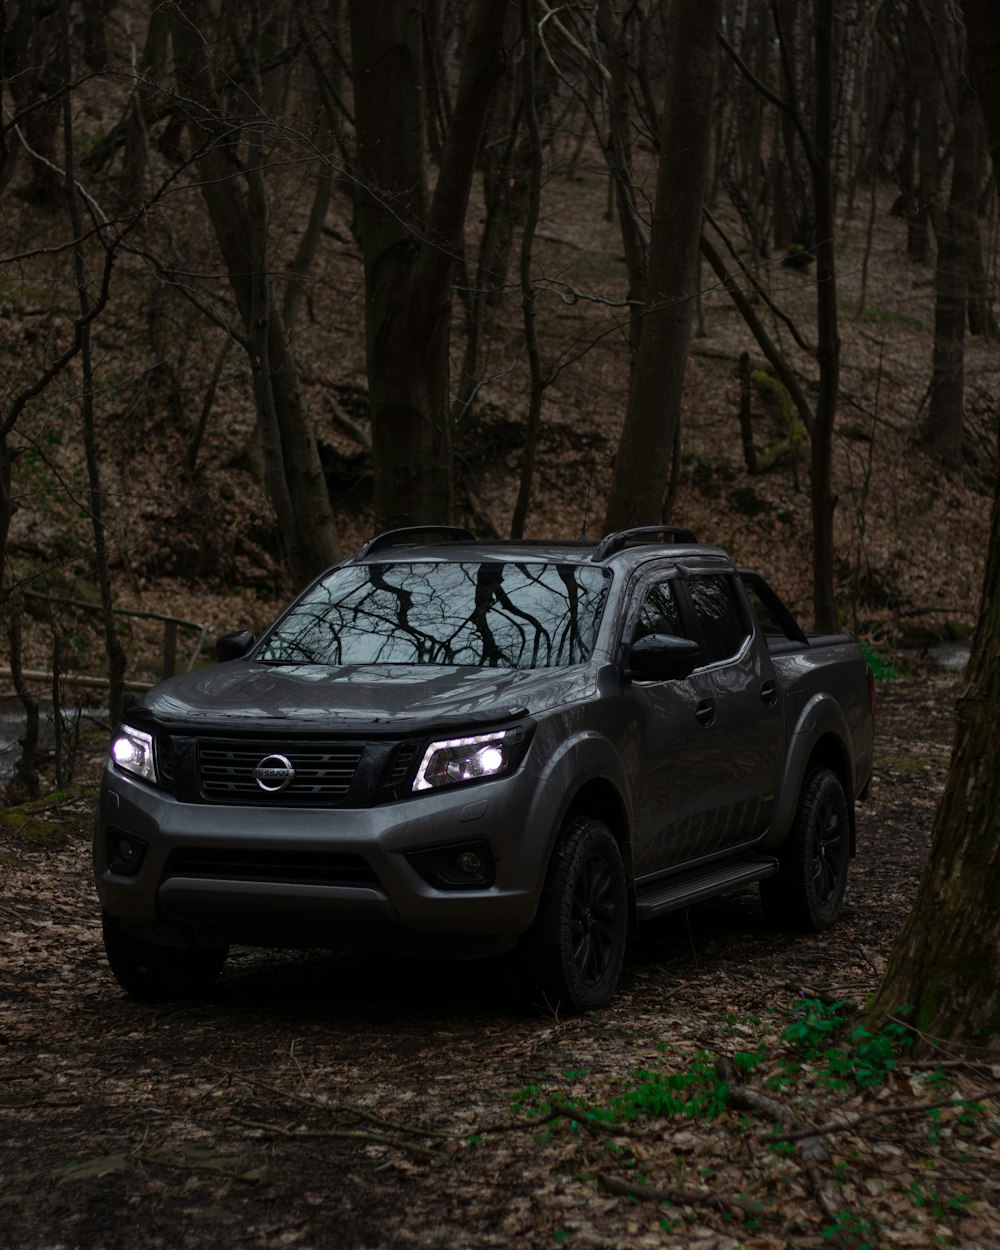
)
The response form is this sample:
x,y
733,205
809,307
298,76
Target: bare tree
x,y
653,411
231,155
956,230
817,143
411,240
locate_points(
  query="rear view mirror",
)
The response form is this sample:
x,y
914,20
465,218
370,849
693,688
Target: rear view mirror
x,y
661,657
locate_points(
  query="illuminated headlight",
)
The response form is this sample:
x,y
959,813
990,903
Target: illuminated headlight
x,y
454,760
132,750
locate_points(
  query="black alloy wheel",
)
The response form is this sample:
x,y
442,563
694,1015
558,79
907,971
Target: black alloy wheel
x,y
149,971
572,955
808,892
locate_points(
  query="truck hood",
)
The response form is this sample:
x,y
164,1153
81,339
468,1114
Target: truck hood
x,y
242,694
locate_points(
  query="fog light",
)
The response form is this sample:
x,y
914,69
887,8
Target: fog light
x,y
469,862
125,853
461,866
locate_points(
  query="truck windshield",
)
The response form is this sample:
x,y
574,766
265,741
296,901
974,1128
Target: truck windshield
x,y
494,615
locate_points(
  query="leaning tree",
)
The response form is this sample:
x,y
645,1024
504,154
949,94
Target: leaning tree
x,y
946,962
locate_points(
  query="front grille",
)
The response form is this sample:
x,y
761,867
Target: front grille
x,y
294,867
165,758
323,773
401,763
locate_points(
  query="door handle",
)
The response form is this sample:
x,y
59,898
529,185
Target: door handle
x,y
705,712
769,693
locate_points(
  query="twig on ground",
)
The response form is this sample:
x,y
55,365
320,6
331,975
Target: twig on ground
x,y
852,1119
557,1111
811,1148
677,1197
343,1134
332,1108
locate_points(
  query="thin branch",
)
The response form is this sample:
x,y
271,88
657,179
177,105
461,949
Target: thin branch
x,y
852,1119
358,1135
676,1197
771,96
756,326
783,317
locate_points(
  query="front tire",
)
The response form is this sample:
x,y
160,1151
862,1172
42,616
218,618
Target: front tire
x,y
149,971
808,891
572,955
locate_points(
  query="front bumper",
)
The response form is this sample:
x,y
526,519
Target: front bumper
x,y
300,893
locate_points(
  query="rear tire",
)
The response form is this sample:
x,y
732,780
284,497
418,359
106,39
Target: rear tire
x,y
149,971
808,891
571,956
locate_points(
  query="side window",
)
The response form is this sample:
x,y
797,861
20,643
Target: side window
x,y
720,616
769,627
658,614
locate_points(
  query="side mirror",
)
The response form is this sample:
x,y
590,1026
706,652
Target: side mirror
x,y
234,646
661,657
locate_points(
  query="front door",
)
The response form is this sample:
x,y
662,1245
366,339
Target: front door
x,y
710,744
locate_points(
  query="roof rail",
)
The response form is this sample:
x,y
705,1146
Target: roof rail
x,y
620,539
410,535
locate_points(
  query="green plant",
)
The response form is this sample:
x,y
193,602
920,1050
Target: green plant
x,y
747,1060
866,1058
669,1223
786,1076
814,1023
850,1232
936,1203
875,1053
526,1100
695,1093
933,1131
883,668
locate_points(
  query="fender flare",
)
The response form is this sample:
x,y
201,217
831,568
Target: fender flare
x,y
581,760
821,718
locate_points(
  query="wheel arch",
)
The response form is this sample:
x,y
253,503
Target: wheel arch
x,y
821,739
600,797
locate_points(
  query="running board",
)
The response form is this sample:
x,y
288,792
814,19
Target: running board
x,y
673,893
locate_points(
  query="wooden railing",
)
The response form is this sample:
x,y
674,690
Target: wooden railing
x,y
171,626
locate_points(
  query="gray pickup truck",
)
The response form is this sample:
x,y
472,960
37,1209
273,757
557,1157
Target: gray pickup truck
x,y
455,746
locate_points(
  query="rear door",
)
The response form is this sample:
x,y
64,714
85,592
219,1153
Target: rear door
x,y
737,687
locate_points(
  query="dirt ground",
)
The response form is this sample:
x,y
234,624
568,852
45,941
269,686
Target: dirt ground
x,y
316,1102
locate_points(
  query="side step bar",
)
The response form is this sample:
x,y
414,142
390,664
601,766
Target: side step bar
x,y
672,893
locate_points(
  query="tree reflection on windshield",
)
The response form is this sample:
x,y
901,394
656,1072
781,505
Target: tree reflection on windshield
x,y
492,614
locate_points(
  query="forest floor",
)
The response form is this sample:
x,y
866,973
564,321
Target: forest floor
x,y
315,1102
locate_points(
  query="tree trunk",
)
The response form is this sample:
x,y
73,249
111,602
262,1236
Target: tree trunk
x,y
532,349
657,380
827,331
982,22
946,962
918,245
114,650
955,231
504,185
617,144
410,250
236,197
792,218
